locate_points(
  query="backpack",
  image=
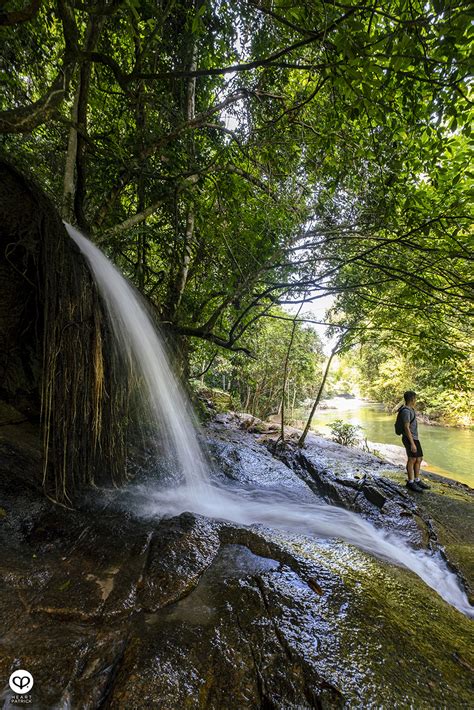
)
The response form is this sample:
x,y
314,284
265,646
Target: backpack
x,y
399,428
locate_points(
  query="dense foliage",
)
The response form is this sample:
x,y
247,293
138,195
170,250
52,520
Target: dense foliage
x,y
256,384
233,158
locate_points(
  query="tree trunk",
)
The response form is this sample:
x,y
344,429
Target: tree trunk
x,y
302,438
181,278
92,37
69,182
247,400
74,182
140,118
285,372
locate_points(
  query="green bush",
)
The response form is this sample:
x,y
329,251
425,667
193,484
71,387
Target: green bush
x,y
345,434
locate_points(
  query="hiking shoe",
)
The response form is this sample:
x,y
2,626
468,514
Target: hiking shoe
x,y
413,486
422,484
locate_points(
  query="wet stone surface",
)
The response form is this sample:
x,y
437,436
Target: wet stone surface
x,y
226,646
111,610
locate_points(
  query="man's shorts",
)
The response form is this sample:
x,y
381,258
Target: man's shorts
x,y
407,445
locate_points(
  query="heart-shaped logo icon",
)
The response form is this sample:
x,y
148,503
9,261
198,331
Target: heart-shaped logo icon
x,y
21,681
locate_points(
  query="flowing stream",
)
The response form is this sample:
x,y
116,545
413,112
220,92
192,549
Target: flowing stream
x,y
193,489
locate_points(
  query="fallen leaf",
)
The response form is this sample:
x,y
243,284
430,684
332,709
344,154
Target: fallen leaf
x,y
315,586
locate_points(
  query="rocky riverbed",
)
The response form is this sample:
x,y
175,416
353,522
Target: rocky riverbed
x,y
111,605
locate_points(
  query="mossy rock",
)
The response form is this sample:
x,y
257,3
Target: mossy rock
x,y
211,400
449,506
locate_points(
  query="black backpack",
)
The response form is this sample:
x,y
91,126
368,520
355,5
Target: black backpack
x,y
399,427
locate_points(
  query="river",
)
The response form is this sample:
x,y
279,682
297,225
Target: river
x,y
448,450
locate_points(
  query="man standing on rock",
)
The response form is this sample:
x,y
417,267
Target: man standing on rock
x,y
411,442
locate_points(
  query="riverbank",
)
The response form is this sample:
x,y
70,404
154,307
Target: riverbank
x,y
448,451
396,456
134,608
352,467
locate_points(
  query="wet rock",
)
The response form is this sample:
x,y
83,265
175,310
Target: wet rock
x,y
446,512
381,505
178,557
374,495
329,471
224,645
114,611
239,457
53,653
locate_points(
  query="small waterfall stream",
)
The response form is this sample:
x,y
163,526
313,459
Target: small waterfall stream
x,y
169,409
193,490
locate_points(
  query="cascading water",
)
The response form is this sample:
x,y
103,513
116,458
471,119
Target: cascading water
x,y
169,408
142,346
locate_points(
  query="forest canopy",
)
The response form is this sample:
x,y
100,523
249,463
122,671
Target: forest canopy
x,y
237,158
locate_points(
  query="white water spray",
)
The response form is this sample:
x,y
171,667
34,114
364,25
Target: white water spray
x,y
140,341
280,511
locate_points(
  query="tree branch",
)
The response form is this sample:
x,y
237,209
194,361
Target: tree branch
x,y
16,17
271,60
129,222
26,118
211,337
127,174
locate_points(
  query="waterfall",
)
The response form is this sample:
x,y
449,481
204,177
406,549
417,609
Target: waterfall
x,y
138,339
171,415
281,511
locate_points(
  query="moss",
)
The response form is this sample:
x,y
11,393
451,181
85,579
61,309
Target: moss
x,y
211,400
394,641
449,508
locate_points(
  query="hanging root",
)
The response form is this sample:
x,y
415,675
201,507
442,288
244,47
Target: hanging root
x,y
81,381
84,393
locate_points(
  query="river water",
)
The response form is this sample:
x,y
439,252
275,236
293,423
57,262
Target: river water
x,y
448,450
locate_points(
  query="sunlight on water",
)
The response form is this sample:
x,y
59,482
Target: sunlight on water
x,y
448,450
170,410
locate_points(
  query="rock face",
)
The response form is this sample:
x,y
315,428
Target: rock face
x,y
56,352
111,610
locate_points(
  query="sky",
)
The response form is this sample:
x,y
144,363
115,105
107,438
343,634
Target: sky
x,y
318,309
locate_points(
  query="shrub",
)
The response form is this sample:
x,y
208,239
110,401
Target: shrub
x,y
345,434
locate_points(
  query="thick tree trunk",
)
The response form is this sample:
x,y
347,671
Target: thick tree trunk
x,y
140,118
74,183
180,281
92,37
69,182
